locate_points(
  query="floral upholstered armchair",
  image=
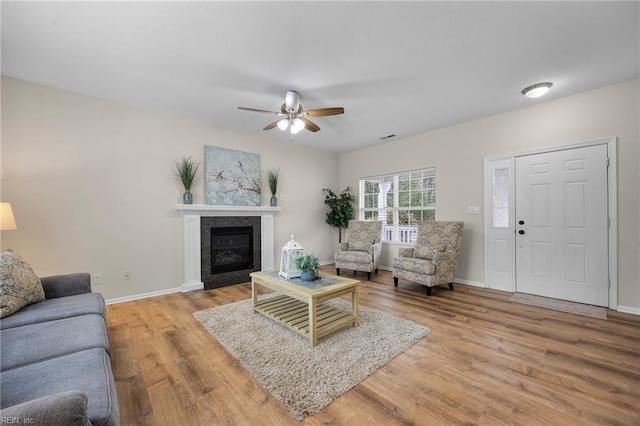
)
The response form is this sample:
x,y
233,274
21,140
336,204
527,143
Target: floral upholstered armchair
x,y
434,258
362,248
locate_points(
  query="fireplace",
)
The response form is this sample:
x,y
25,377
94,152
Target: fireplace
x,y
231,248
196,244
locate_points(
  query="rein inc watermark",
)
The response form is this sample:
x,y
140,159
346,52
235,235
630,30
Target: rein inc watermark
x,y
14,420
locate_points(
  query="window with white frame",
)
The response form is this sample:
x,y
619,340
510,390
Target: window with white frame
x,y
401,201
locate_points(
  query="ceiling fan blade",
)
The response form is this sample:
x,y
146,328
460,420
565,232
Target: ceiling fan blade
x,y
259,110
321,112
310,126
272,125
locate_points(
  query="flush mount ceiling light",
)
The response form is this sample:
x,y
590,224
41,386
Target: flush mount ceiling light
x,y
536,90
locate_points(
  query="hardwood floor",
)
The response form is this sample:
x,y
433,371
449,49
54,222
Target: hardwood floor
x,y
487,361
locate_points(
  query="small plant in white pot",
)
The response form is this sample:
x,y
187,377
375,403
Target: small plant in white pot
x,y
308,264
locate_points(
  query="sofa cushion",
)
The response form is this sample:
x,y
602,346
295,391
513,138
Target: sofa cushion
x,y
354,256
427,252
419,266
19,286
440,233
53,309
63,408
87,371
363,244
37,342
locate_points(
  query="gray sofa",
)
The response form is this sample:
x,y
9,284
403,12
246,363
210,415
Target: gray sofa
x,y
55,367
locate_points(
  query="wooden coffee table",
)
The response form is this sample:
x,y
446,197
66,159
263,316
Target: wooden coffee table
x,y
299,304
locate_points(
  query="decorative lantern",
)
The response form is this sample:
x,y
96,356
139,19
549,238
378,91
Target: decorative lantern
x,y
290,252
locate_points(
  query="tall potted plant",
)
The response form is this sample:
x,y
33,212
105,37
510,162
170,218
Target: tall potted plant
x,y
341,209
272,176
186,170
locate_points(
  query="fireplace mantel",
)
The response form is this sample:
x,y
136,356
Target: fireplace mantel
x,y
191,214
208,210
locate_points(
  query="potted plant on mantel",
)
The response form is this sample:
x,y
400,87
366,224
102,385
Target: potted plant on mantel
x,y
272,176
308,264
186,170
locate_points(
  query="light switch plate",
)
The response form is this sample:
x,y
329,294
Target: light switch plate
x,y
473,210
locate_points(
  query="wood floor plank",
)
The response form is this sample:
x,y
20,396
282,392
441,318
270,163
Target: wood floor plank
x,y
487,361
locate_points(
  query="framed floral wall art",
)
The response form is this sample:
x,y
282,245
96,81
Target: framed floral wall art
x,y
232,177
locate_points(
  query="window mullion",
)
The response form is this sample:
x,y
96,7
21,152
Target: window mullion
x,y
396,203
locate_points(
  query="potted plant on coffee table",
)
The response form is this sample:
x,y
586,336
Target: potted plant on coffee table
x,y
308,266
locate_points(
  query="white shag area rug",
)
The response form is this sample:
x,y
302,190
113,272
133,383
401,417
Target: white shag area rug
x,y
306,379
560,305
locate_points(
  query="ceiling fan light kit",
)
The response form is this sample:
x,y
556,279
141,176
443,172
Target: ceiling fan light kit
x,y
294,117
283,124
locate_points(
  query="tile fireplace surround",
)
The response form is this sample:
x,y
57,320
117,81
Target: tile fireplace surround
x,y
191,214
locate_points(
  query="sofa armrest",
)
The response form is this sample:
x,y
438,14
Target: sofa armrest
x,y
66,285
60,409
405,252
343,246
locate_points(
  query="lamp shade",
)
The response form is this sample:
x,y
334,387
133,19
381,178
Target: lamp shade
x,y
7,221
283,124
297,125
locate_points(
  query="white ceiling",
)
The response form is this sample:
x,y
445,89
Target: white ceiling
x,y
396,67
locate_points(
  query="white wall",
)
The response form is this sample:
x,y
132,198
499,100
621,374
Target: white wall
x,y
90,182
457,152
91,188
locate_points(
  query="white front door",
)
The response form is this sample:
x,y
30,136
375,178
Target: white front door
x,y
561,225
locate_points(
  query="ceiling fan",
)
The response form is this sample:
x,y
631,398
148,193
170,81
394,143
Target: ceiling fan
x,y
294,117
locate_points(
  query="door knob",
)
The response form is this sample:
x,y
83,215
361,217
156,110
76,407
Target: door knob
x,y
521,232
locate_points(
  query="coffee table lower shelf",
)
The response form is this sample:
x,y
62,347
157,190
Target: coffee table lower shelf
x,y
295,315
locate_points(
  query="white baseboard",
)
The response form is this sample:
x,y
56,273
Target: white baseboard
x,y
143,296
191,287
629,310
623,309
471,283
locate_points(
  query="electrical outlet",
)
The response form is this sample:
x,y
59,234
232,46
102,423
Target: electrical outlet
x,y
97,279
473,210
126,275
